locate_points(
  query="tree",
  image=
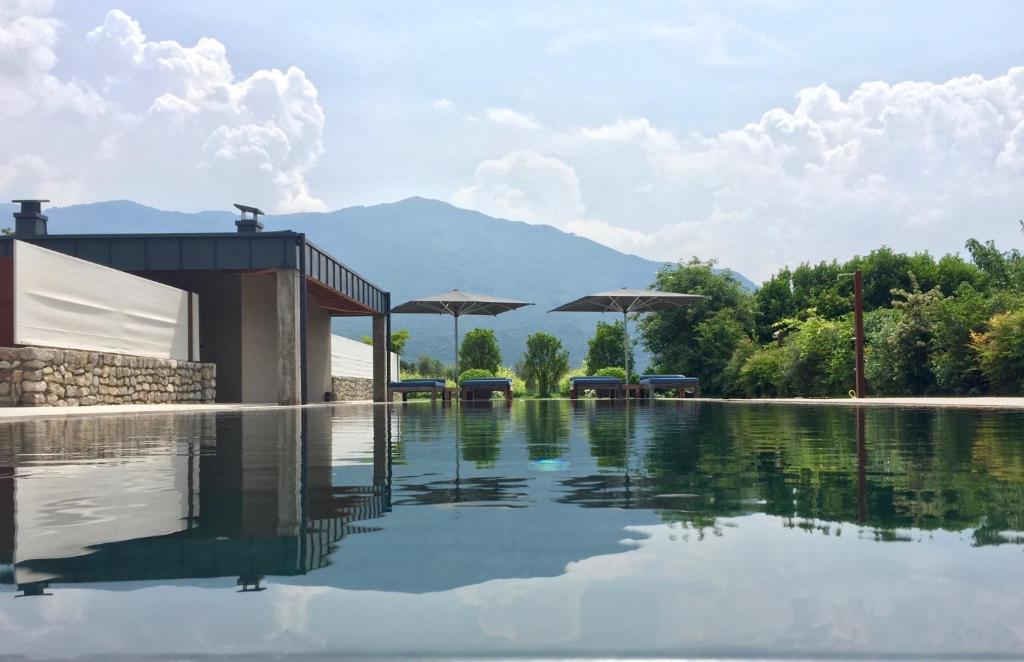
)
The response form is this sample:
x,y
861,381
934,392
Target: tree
x,y
428,366
398,340
6,231
1001,350
774,302
605,348
545,362
899,342
480,350
699,339
1000,270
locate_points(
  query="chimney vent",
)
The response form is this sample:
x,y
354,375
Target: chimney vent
x,y
250,223
30,221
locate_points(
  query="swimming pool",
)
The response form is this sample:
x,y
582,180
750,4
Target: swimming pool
x,y
546,528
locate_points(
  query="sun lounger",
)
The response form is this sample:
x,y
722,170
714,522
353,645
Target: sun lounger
x,y
434,387
484,387
609,387
681,384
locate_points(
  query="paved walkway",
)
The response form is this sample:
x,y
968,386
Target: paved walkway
x,y
22,413
976,402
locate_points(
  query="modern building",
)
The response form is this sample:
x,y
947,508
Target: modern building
x,y
265,300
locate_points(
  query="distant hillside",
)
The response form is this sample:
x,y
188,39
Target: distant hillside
x,y
419,247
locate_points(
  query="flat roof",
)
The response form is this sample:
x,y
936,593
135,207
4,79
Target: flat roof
x,y
218,251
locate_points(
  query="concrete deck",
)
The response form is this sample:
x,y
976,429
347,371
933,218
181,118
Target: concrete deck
x,y
26,413
951,402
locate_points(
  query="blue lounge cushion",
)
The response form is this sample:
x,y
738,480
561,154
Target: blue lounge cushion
x,y
498,382
667,380
427,383
595,381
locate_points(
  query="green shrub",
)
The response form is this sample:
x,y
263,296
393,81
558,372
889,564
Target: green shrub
x,y
765,373
604,350
518,383
480,350
545,362
563,383
475,373
611,371
1001,352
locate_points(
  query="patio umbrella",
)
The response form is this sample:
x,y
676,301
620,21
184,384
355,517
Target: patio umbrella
x,y
628,301
457,304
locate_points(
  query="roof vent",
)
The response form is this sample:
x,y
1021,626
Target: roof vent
x,y
30,221
250,223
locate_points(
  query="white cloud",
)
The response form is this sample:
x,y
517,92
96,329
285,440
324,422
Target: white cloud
x,y
169,123
525,186
512,119
914,165
443,104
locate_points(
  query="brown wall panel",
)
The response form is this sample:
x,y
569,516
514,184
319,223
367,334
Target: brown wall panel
x,y
6,300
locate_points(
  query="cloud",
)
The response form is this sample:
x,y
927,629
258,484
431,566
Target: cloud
x,y
915,165
512,119
28,37
165,122
444,105
696,33
526,186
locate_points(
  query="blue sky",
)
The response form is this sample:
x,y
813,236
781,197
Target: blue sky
x,y
760,133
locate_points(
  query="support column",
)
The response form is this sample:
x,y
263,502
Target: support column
x,y
380,358
289,360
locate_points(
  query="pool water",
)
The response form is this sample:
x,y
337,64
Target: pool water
x,y
544,528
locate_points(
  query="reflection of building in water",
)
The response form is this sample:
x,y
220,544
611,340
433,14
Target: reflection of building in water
x,y
184,496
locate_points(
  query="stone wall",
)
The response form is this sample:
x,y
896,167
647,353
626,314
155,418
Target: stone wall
x,y
351,388
40,377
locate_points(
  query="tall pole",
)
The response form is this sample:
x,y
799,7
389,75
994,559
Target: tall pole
x,y
625,343
858,321
456,350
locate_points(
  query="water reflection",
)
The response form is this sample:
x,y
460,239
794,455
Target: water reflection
x,y
176,497
669,503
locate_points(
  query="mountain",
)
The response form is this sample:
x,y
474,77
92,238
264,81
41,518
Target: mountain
x,y
419,247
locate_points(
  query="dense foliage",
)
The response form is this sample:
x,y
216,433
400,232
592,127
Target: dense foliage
x,y
474,373
545,362
480,350
398,340
950,325
604,350
699,339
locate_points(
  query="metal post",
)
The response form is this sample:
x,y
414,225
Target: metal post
x,y
387,304
858,321
303,357
456,350
625,343
862,460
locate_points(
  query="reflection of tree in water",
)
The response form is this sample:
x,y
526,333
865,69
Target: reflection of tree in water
x,y
546,424
926,469
609,429
481,427
478,490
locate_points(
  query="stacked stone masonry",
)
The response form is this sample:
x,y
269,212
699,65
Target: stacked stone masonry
x,y
41,377
348,389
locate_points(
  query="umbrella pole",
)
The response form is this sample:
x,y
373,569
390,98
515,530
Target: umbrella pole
x,y
625,343
456,350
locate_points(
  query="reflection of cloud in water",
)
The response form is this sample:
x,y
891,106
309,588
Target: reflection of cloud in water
x,y
761,584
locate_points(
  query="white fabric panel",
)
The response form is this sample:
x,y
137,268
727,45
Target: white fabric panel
x,y
62,301
352,358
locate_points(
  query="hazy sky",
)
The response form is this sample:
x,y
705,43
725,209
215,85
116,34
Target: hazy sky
x,y
760,133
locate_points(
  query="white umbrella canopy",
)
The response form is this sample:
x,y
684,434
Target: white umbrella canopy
x,y
627,300
457,303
